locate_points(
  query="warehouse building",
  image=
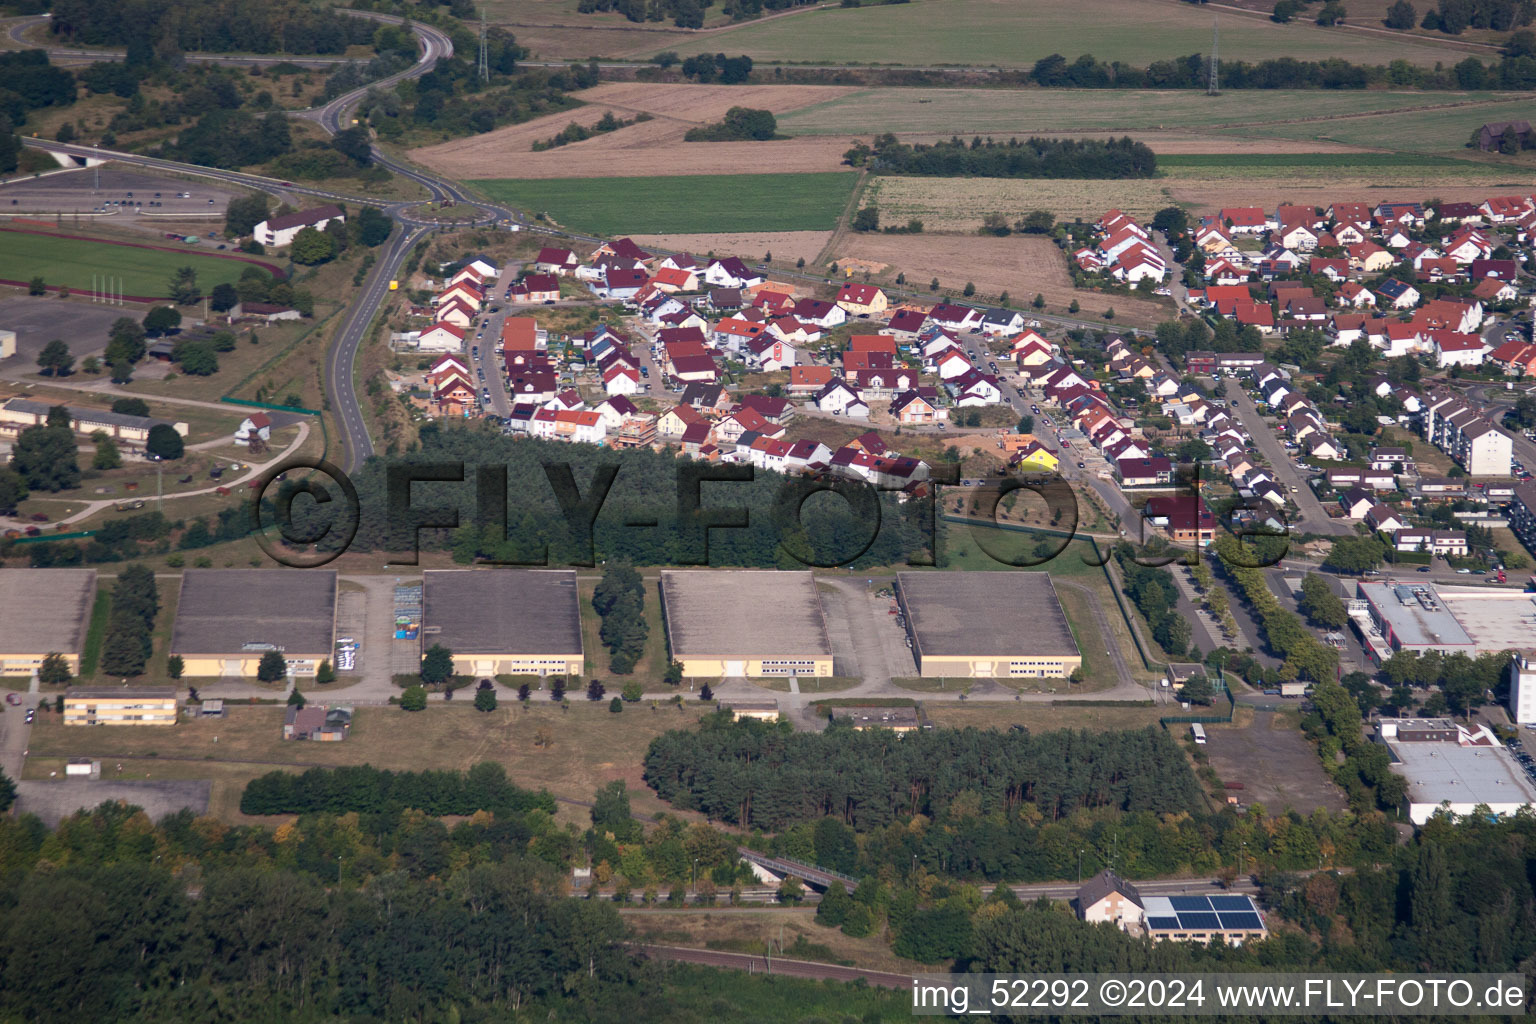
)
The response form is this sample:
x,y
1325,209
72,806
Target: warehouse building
x,y
121,705
504,621
745,622
987,625
44,611
1394,616
1449,767
226,619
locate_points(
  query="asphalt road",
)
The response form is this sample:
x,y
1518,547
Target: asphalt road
x,y
1314,517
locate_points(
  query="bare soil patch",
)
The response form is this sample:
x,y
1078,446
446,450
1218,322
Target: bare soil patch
x,y
786,246
1020,265
1276,765
650,148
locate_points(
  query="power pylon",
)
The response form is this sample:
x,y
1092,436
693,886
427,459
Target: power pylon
x,y
1212,88
485,61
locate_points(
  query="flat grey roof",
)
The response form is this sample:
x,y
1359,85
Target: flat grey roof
x,y
1416,614
118,692
743,613
501,611
80,412
45,610
1463,775
984,614
222,610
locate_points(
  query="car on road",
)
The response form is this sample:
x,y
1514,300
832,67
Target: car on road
x,y
31,714
1463,572
1424,569
1081,465
13,699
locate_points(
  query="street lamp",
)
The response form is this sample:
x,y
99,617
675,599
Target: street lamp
x,y
1079,867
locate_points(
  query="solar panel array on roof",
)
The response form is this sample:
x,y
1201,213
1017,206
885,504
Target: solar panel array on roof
x,y
1202,913
1220,903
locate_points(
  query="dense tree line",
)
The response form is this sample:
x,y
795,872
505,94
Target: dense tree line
x,y
368,790
1304,655
45,456
1156,596
1517,70
619,599
989,158
131,625
685,13
646,486
756,774
224,26
1453,17
740,124
31,83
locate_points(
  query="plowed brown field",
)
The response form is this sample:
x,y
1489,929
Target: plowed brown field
x,y
650,148
1020,265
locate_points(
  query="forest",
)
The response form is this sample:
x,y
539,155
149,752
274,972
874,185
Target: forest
x,y
219,26
646,487
766,776
990,158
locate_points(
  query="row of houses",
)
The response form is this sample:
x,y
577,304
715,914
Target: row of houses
x,y
1466,435
1123,250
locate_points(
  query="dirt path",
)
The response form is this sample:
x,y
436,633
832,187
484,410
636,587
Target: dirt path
x,y
830,249
721,29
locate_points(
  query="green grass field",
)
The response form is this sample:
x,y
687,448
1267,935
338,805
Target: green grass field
x,y
684,204
1266,164
1246,112
1424,131
1018,34
71,261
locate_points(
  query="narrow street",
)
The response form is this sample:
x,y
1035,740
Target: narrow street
x,y
1314,519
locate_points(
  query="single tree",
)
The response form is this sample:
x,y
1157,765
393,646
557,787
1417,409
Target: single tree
x,y
1401,16
674,673
969,289
1074,307
326,673
175,665
485,699
272,667
54,360
557,689
414,698
436,665
595,690
312,247
164,442
54,670
1038,301
131,406
705,693
90,364
867,219
46,455
523,692
184,289
633,691
616,705
36,286
223,298
107,456
161,320
296,699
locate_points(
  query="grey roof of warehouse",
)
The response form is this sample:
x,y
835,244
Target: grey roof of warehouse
x,y
743,612
985,613
501,611
1436,772
80,412
45,610
220,611
1416,612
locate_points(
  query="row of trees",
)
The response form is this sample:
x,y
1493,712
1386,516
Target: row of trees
x,y
757,774
740,124
1156,596
1304,655
619,600
131,625
367,790
1031,158
1517,70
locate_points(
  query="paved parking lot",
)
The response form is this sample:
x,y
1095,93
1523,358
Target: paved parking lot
x,y
85,192
37,320
55,801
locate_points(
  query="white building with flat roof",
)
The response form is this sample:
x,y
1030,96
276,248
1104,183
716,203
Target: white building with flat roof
x,y
1456,771
1522,689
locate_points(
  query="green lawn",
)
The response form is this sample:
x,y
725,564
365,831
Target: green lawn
x,y
683,204
1266,163
72,261
1018,34
1422,131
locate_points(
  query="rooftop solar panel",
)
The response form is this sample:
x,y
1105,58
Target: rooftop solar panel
x,y
1170,923
1245,919
1199,920
1183,903
1221,903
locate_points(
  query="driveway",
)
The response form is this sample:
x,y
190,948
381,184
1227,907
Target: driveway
x,y
1314,517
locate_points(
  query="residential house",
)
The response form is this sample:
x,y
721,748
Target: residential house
x,y
559,262
917,407
731,272
1185,519
839,398
536,288
862,300
1144,472
276,232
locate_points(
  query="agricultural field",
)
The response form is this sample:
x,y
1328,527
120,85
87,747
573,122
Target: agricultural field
x,y
958,204
650,147
1011,34
1021,265
682,205
144,270
1312,119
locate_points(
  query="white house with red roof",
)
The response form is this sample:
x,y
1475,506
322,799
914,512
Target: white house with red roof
x,y
257,426
671,280
535,288
442,337
1504,209
1452,348
955,317
619,379
731,272
1246,220
456,312
556,261
820,312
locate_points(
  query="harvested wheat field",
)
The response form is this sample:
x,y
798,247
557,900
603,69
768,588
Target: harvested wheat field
x,y
650,148
786,246
1021,265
